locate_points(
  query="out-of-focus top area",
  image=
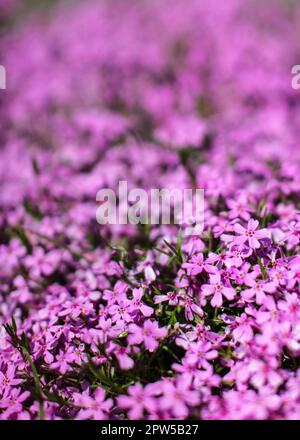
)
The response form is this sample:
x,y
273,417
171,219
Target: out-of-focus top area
x,y
84,76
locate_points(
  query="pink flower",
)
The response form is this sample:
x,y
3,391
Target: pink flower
x,y
12,402
8,378
137,401
93,407
137,303
178,396
218,290
243,331
121,311
239,208
63,361
250,234
260,405
182,130
41,263
258,289
171,297
196,265
150,334
150,275
122,355
202,352
265,373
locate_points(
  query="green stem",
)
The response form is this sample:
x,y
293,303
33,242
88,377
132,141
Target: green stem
x,y
37,383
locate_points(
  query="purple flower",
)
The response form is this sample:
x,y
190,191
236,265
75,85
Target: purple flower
x,y
137,401
121,311
196,265
239,208
149,334
137,304
218,290
178,396
201,353
93,407
122,355
8,378
258,289
243,331
135,317
250,234
171,297
12,402
63,361
41,263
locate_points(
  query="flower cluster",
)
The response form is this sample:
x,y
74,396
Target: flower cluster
x,y
141,321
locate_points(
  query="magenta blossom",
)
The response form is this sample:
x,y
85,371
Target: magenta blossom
x,y
217,289
137,303
93,407
250,235
149,334
258,289
196,265
178,396
137,401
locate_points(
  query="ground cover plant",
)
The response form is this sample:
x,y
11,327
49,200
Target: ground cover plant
x,y
140,321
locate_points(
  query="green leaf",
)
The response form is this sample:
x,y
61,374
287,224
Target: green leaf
x,y
19,232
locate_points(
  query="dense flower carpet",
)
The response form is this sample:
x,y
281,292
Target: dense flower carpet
x,y
141,321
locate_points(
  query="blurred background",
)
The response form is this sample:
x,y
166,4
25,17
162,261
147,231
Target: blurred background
x,y
90,72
